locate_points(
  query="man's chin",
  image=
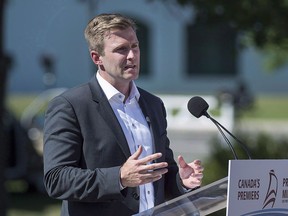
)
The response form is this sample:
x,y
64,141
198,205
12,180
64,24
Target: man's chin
x,y
133,74
134,77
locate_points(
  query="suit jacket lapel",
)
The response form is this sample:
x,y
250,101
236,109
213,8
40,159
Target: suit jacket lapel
x,y
108,115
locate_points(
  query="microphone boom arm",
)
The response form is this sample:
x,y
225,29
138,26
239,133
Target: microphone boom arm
x,y
226,139
243,146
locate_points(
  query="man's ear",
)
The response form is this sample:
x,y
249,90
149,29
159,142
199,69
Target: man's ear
x,y
95,57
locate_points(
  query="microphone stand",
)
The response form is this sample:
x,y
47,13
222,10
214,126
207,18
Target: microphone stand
x,y
218,125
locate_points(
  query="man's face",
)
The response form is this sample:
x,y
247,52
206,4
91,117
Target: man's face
x,y
121,61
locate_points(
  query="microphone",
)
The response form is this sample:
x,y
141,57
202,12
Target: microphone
x,y
198,107
148,121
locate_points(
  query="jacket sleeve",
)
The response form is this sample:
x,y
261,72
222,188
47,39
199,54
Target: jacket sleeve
x,y
63,177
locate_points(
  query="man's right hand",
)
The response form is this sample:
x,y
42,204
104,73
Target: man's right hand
x,y
135,172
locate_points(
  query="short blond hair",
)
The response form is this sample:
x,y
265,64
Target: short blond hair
x,y
101,25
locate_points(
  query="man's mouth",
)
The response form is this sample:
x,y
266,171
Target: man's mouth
x,y
130,66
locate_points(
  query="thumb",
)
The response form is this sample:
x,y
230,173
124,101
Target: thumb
x,y
136,154
181,162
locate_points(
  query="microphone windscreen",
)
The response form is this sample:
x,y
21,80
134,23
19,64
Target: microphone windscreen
x,y
197,106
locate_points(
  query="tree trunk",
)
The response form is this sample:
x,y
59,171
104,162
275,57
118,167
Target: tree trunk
x,y
3,75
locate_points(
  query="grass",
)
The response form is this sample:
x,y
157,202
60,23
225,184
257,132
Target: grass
x,y
17,103
270,108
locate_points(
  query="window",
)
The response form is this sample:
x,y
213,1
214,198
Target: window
x,y
143,37
211,50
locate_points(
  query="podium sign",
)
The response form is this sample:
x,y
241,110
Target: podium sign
x,y
257,187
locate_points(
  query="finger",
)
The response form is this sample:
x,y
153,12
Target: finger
x,y
197,162
150,158
192,183
195,183
198,176
155,166
136,154
154,174
181,162
150,179
160,172
199,169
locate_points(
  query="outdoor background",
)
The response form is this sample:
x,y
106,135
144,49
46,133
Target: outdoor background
x,y
234,54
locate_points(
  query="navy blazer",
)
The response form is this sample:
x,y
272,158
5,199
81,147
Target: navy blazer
x,y
84,148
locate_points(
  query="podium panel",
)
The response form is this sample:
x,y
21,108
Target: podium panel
x,y
257,187
203,201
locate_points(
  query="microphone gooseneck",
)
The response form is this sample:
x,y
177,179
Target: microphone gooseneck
x,y
198,107
243,146
223,135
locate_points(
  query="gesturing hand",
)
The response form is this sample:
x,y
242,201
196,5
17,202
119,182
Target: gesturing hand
x,y
135,172
191,174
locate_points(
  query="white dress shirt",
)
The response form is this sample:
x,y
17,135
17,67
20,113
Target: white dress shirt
x,y
135,127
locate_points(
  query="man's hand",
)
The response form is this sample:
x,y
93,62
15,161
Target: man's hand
x,y
191,174
135,172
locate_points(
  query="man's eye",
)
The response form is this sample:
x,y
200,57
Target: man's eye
x,y
122,48
134,45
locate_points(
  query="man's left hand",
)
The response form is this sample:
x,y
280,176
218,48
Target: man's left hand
x,y
191,174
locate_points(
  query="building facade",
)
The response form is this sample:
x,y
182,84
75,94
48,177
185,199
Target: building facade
x,y
46,42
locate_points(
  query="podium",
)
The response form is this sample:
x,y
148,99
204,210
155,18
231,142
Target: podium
x,y
203,201
253,187
257,187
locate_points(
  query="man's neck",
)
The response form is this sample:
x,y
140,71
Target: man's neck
x,y
124,88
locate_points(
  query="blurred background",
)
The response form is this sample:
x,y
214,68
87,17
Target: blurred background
x,y
232,53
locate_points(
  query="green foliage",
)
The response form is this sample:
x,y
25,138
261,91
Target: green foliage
x,y
267,108
275,56
265,20
262,22
261,146
17,103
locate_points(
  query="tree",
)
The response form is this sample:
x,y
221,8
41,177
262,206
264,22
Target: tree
x,y
263,22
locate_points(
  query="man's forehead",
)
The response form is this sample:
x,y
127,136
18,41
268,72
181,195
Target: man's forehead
x,y
119,32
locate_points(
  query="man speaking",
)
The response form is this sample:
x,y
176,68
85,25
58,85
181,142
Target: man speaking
x,y
106,150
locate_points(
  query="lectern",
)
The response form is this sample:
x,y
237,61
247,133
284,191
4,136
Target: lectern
x,y
253,187
257,187
202,201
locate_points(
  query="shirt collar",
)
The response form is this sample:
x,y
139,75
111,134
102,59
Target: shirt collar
x,y
111,92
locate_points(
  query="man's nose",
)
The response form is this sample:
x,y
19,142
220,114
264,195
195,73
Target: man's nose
x,y
131,54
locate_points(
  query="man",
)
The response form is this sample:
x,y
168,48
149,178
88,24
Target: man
x,y
106,150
